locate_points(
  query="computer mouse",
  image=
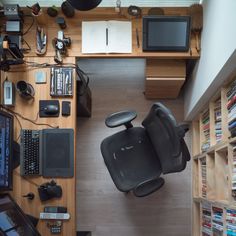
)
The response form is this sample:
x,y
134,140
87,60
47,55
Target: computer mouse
x,y
51,109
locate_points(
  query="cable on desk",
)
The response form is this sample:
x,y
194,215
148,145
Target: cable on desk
x,y
83,77
26,49
27,31
27,119
26,179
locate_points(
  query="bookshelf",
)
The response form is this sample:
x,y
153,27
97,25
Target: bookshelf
x,y
214,165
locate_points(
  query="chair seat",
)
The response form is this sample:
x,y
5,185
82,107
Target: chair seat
x,y
130,158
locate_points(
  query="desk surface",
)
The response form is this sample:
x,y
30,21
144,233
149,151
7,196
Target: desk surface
x,y
73,30
30,110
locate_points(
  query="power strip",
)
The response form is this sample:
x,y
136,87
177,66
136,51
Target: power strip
x,y
54,216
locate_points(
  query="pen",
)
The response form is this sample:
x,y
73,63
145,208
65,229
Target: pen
x,y
137,37
106,36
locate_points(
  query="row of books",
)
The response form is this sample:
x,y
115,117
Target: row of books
x,y
231,107
234,171
217,221
230,222
206,219
203,175
206,130
217,114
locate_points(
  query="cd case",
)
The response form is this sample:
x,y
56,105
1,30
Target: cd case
x,y
61,82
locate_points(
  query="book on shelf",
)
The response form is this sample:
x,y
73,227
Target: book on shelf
x,y
231,107
206,130
217,221
230,222
203,175
206,219
218,125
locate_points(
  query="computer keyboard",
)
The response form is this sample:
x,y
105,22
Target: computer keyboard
x,y
30,158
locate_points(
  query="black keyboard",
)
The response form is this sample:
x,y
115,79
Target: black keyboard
x,y
29,156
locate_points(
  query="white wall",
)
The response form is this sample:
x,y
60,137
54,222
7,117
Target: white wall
x,y
217,56
107,3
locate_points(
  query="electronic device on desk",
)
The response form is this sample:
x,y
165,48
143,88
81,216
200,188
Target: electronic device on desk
x,y
30,159
6,150
13,221
166,33
49,108
10,54
8,93
55,226
61,82
47,152
61,43
49,190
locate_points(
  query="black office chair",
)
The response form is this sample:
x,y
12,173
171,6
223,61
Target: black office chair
x,y
137,156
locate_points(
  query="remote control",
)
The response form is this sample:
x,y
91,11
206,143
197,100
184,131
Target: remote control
x,y
54,216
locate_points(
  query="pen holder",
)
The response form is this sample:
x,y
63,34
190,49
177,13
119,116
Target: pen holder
x,y
40,18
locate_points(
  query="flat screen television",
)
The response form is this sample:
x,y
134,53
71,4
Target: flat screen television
x,y
13,221
6,150
166,33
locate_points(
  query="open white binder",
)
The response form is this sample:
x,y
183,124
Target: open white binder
x,y
106,37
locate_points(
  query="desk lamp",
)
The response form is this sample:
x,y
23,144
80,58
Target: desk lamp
x,y
84,5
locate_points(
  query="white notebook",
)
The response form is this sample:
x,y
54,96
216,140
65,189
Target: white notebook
x,y
106,37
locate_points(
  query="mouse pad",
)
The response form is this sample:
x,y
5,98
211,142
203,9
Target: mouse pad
x,y
45,103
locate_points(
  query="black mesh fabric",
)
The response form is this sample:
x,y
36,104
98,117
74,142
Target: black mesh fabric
x,y
162,131
130,158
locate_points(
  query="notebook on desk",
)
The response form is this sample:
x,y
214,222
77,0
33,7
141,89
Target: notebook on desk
x,y
106,37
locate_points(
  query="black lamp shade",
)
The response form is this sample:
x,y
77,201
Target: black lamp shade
x,y
84,5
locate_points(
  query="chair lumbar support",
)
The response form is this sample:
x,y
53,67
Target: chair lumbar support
x,y
121,118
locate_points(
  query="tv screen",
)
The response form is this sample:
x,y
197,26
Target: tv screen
x,y
6,145
166,33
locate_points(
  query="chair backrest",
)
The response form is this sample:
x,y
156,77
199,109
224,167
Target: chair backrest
x,y
167,138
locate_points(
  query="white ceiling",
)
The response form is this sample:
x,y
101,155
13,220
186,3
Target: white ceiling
x,y
111,3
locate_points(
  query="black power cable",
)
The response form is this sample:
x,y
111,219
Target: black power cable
x,y
32,23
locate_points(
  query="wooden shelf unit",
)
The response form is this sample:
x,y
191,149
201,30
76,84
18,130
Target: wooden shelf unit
x,y
214,168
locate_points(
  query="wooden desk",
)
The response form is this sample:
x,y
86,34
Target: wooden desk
x,y
73,30
29,109
155,86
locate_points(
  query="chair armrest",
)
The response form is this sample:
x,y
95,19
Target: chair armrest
x,y
121,118
147,187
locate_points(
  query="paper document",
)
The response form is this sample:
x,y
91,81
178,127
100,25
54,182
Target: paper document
x,y
106,37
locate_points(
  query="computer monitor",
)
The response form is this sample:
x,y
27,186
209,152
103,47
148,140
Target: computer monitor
x,y
166,33
6,150
13,221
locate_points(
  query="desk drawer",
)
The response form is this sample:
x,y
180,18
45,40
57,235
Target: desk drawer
x,y
163,87
165,68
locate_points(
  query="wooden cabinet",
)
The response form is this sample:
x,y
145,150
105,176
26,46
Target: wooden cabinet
x,y
214,166
164,78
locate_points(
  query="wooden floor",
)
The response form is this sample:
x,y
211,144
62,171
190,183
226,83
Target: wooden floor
x,y
101,208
